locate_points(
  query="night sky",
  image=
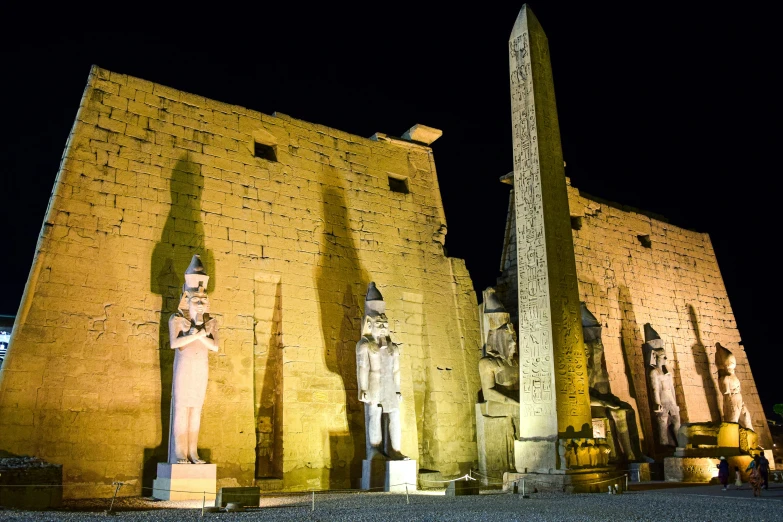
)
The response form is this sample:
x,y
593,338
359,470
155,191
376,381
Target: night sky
x,y
665,109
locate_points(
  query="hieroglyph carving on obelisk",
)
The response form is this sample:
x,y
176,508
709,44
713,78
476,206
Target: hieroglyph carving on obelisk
x,y
554,394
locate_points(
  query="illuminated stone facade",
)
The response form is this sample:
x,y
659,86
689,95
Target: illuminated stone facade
x,y
292,221
635,269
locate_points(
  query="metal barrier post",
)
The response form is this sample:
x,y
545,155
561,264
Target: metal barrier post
x,y
312,508
407,499
203,503
111,506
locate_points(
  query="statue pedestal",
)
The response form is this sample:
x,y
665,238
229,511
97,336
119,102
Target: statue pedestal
x,y
391,475
185,482
495,439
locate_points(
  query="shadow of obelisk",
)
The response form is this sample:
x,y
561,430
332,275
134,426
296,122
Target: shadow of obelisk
x,y
341,282
182,236
702,363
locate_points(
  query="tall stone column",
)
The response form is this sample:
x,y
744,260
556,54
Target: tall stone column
x,y
554,398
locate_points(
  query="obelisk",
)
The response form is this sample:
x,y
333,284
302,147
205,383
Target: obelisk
x,y
554,398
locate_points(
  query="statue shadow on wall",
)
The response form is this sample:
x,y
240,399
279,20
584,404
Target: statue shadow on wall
x,y
341,282
182,236
631,343
269,414
702,363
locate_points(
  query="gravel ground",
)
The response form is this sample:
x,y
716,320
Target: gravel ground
x,y
647,505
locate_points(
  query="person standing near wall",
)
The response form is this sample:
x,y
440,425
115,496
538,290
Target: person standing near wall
x,y
723,472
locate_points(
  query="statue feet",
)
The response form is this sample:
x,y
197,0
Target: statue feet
x,y
195,460
396,455
183,461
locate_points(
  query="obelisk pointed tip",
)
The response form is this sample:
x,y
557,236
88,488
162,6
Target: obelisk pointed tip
x,y
521,22
526,20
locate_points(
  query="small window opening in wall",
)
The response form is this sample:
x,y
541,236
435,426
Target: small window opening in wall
x,y
576,222
644,240
398,185
266,152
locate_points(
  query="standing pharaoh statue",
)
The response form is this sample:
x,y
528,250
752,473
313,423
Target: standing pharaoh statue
x,y
193,334
734,409
663,395
378,376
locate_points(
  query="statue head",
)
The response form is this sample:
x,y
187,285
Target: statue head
x,y
654,344
502,342
658,359
375,320
724,359
379,326
500,339
194,302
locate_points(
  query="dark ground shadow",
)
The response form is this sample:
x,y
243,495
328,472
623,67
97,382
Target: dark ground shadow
x,y
702,363
341,283
269,412
635,368
182,236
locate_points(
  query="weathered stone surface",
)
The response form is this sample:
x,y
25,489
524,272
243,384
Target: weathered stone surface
x,y
289,246
550,333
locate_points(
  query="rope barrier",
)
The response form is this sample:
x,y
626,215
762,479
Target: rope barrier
x,y
538,480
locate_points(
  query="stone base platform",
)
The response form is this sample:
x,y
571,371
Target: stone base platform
x,y
702,469
582,481
391,475
185,482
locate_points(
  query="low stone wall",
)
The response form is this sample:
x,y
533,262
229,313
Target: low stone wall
x,y
29,483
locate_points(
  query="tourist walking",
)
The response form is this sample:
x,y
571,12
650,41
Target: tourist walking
x,y
737,477
755,475
723,472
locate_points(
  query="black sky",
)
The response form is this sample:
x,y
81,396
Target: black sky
x,y
668,109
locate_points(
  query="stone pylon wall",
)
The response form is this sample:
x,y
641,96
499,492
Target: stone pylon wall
x,y
152,175
675,285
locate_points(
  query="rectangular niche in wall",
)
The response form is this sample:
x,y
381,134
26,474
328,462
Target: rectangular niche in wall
x,y
264,151
398,184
